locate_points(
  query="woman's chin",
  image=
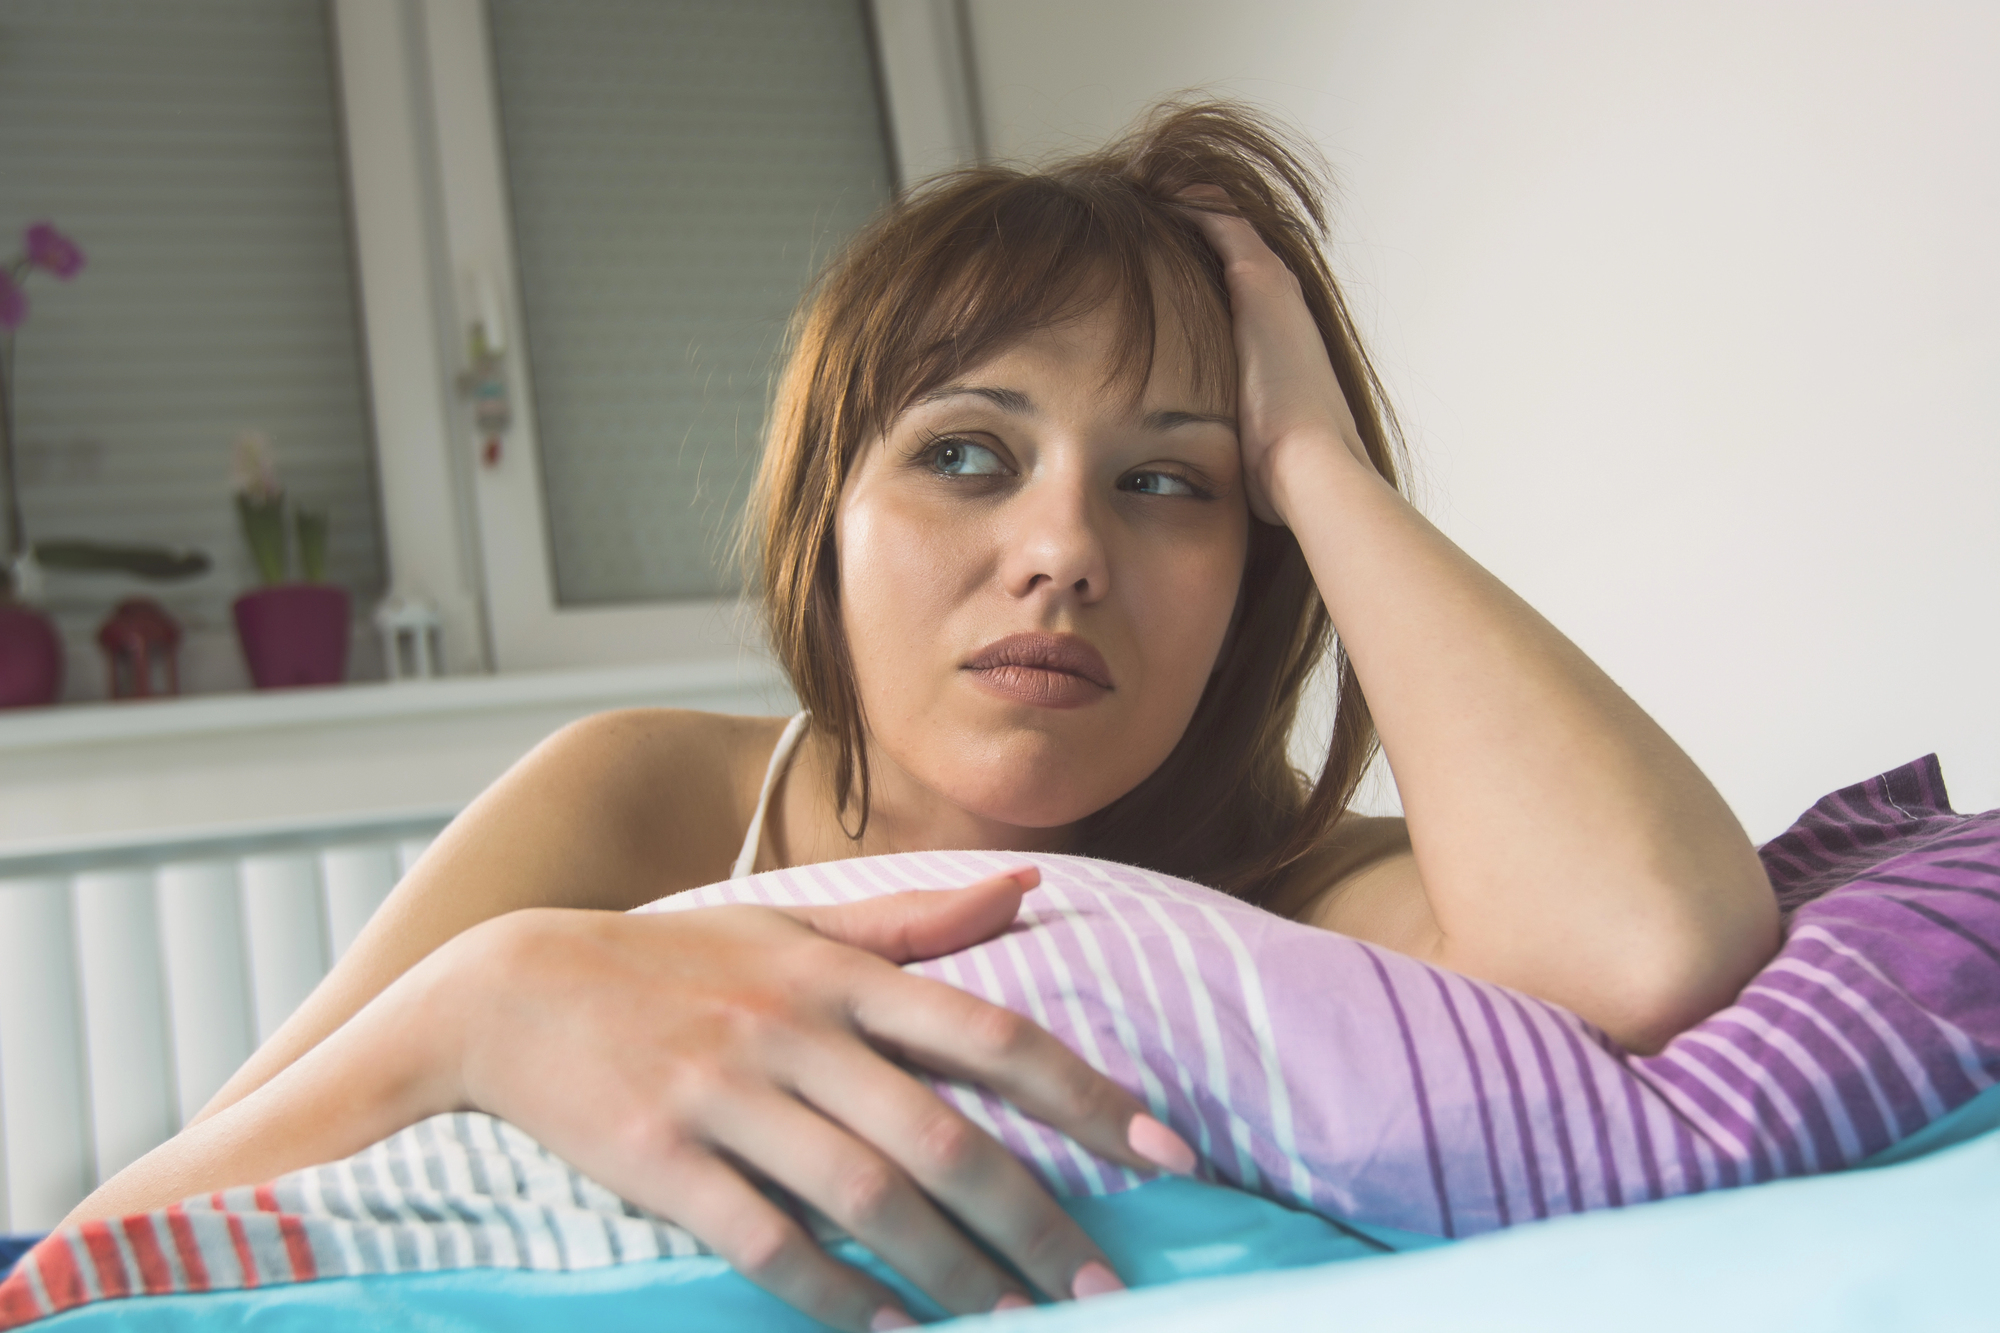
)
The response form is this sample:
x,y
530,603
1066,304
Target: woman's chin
x,y
1029,769
1036,798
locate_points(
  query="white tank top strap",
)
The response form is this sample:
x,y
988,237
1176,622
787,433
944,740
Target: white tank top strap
x,y
746,859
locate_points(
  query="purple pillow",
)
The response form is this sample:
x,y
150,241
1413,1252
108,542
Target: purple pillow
x,y
1849,833
1891,903
1369,1086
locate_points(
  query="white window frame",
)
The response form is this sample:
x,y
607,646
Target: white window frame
x,y
433,241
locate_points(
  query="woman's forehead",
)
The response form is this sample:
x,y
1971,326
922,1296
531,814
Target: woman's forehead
x,y
1097,350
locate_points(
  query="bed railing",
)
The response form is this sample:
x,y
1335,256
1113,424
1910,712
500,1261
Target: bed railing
x,y
135,976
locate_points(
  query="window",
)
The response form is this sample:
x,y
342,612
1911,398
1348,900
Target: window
x,y
294,209
676,171
193,149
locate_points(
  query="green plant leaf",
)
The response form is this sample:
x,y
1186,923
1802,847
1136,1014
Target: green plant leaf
x,y
264,532
311,525
161,563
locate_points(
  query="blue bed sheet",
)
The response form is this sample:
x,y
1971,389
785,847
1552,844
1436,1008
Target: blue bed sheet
x,y
1907,1246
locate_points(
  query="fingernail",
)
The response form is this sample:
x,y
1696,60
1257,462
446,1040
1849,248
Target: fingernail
x,y
1013,1300
1026,876
1094,1279
1160,1145
889,1317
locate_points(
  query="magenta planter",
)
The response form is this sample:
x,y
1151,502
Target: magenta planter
x,y
30,657
294,634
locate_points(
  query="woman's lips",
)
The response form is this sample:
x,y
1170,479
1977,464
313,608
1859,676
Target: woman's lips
x,y
1051,670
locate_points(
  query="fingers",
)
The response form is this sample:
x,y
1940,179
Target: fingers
x,y
964,1037
1289,388
973,1177
925,923
1234,239
870,1195
1250,266
741,1225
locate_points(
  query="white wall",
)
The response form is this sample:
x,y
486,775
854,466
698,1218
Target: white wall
x,y
1689,310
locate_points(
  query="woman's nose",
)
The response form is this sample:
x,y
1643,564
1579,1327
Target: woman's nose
x,y
1055,543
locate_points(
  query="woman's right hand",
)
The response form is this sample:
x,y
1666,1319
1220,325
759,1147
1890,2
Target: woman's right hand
x,y
678,1057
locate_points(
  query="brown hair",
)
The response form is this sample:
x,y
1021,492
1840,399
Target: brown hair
x,y
950,275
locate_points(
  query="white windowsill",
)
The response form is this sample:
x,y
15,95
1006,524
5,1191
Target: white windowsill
x,y
67,725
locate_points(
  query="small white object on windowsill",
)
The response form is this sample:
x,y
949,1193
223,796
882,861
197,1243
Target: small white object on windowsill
x,y
410,638
25,574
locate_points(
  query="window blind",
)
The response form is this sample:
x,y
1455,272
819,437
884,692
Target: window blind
x,y
193,150
679,169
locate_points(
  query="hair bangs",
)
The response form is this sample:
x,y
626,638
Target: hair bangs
x,y
1012,255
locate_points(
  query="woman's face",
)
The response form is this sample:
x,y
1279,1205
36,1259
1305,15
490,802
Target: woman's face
x,y
1037,575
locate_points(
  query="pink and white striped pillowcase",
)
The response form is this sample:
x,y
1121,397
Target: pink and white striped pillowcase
x,y
1358,1082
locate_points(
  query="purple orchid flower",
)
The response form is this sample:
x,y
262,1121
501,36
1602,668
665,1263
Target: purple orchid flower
x,y
50,249
13,302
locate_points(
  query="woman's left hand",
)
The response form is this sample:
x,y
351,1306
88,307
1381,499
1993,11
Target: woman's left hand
x,y
1289,401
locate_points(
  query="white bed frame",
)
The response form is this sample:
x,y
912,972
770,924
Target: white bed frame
x,y
136,975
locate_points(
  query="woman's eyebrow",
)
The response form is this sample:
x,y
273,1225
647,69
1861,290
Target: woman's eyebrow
x,y
1167,420
1007,400
1015,402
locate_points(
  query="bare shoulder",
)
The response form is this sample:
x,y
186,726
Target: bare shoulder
x,y
1353,844
648,801
1362,881
676,785
707,752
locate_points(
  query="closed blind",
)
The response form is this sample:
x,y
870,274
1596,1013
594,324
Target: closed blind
x,y
193,150
679,170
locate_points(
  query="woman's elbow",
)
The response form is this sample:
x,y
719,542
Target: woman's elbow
x,y
1642,971
1688,973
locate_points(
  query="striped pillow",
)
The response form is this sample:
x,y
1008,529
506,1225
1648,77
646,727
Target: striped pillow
x,y
1363,1084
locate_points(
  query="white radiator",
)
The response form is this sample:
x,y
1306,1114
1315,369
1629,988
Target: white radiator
x,y
135,977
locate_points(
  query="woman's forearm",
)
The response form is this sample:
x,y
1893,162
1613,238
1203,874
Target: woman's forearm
x,y
1566,844
394,1063
685,1059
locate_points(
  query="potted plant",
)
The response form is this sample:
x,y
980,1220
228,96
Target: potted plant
x,y
30,648
292,633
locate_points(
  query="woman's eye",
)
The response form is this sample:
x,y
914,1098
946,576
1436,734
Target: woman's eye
x,y
1158,483
963,458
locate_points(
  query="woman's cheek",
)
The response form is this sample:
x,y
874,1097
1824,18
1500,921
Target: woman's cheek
x,y
1186,602
898,568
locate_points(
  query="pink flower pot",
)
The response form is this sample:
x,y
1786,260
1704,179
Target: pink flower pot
x,y
294,634
31,658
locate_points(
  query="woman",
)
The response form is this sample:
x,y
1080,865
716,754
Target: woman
x,y
1067,476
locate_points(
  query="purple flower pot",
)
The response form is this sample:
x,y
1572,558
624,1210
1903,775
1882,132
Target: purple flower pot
x,y
31,658
294,634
